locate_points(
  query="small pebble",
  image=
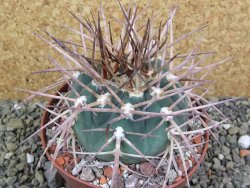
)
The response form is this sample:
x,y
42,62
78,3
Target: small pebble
x,y
244,141
8,155
39,177
105,185
29,158
221,157
226,126
11,180
87,174
131,181
233,130
11,146
147,169
78,168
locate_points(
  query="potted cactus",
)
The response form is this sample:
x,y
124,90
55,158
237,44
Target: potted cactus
x,y
122,101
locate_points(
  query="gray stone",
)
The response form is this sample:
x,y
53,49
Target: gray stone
x,y
11,180
39,177
15,124
2,182
24,186
11,146
229,157
233,139
235,155
11,172
22,157
204,185
12,139
229,185
194,181
230,165
131,181
98,171
203,178
87,174
242,161
233,130
34,182
225,150
23,179
216,164
2,127
247,158
221,185
197,186
246,180
25,148
2,155
217,151
20,166
12,163
47,165
53,178
172,175
236,184
244,129
45,186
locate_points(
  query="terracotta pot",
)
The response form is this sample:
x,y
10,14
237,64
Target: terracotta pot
x,y
74,182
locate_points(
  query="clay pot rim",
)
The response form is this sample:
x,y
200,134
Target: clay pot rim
x,y
44,120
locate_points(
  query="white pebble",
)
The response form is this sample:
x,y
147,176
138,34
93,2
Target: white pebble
x,y
244,141
226,126
96,182
221,157
30,158
78,168
188,153
17,107
8,155
141,182
190,163
110,182
137,166
105,185
125,175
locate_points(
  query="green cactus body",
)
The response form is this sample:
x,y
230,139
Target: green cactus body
x,y
152,145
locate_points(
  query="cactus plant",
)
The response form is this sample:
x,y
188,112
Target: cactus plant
x,y
127,101
149,135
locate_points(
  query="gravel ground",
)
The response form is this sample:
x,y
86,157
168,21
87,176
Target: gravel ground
x,y
223,166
